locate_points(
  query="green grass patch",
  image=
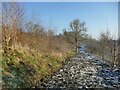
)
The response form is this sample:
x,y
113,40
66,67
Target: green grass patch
x,y
25,70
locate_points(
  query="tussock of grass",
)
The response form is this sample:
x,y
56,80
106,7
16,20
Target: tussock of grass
x,y
26,69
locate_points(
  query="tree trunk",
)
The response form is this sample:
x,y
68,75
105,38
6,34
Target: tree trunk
x,y
114,56
76,47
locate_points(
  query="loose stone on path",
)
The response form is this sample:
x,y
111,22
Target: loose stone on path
x,y
81,73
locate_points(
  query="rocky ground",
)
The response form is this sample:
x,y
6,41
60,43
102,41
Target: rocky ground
x,y
85,71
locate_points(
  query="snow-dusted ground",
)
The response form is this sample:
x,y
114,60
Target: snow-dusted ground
x,y
85,71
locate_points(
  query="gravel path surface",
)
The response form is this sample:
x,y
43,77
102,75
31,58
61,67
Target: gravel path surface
x,y
85,71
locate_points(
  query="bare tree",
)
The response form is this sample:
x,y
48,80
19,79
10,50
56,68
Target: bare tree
x,y
12,17
50,39
118,57
76,33
108,47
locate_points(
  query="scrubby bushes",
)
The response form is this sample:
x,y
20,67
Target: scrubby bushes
x,y
30,54
26,69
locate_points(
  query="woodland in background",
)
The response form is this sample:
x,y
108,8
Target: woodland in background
x,y
31,53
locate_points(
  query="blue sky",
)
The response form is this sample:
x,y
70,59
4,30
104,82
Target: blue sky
x,y
97,15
